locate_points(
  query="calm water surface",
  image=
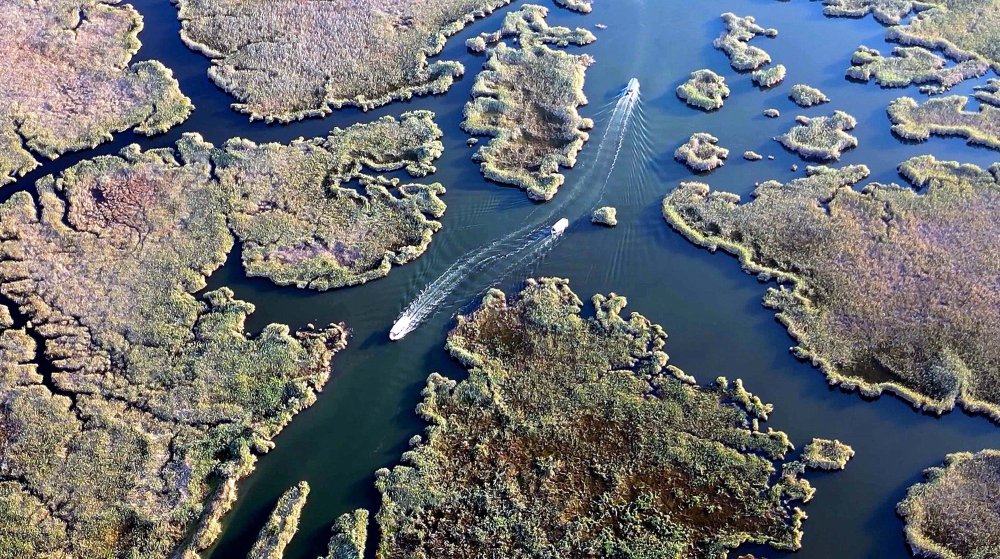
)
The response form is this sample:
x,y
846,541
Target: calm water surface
x,y
710,308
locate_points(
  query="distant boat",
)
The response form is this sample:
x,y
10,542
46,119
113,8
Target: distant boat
x,y
632,89
400,329
560,227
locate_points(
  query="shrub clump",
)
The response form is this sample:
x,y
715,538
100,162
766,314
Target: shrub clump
x,y
826,454
526,99
912,65
807,96
954,513
701,152
285,60
301,224
945,116
556,397
281,525
150,401
70,84
769,77
886,293
735,42
605,215
822,137
350,532
704,89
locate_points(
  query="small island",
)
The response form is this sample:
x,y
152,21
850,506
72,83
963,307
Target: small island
x,y
702,152
822,138
954,513
912,65
350,534
807,96
70,86
555,393
605,215
735,40
826,454
769,77
516,87
860,302
945,116
989,93
704,89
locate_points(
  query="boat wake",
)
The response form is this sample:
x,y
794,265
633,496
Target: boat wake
x,y
533,240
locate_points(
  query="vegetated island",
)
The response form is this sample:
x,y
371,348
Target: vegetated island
x,y
582,6
885,294
526,100
131,405
954,513
605,215
281,525
962,29
822,138
989,93
302,224
702,152
735,42
807,96
945,116
827,454
285,60
912,65
704,89
70,84
769,77
556,397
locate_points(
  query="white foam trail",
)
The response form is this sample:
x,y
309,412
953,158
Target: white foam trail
x,y
533,240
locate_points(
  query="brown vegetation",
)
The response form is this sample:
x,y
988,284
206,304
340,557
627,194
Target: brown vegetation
x,y
735,42
526,99
704,89
955,513
945,116
822,137
285,60
574,437
281,525
69,84
912,65
701,152
887,293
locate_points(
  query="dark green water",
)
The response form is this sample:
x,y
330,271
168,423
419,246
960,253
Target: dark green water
x,y
708,306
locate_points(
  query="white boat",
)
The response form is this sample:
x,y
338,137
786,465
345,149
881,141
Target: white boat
x,y
632,89
400,329
560,227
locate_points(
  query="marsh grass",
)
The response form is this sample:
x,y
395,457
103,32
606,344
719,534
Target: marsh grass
x,y
885,293
704,89
954,513
152,401
605,215
281,525
526,100
822,138
912,65
286,60
350,532
945,116
701,152
574,437
806,96
735,42
770,76
70,84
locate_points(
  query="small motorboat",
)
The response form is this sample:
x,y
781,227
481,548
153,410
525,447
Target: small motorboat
x,y
632,89
400,329
560,227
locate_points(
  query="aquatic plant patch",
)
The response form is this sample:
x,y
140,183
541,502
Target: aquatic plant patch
x,y
945,116
822,138
912,65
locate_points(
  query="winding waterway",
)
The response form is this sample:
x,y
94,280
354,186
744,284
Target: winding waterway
x,y
710,308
